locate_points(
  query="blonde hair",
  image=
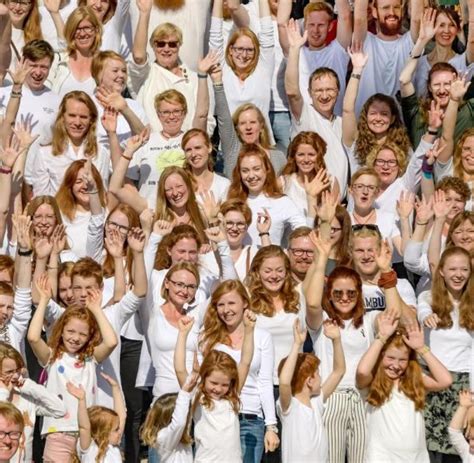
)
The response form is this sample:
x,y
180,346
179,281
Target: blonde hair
x,y
80,14
400,156
166,30
102,421
264,135
98,63
171,96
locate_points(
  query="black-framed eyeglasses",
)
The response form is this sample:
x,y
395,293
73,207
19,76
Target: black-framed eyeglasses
x,y
298,252
383,163
183,286
116,226
13,435
239,225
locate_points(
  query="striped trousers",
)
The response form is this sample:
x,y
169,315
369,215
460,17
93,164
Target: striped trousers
x,y
345,423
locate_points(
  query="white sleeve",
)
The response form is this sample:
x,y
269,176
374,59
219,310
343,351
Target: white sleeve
x,y
216,38
443,169
40,181
415,260
168,438
21,311
149,253
228,269
47,403
412,176
459,443
295,218
137,75
423,308
95,236
127,306
267,45
265,379
406,291
53,312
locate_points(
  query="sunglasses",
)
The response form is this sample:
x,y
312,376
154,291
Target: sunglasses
x,y
367,226
338,294
163,43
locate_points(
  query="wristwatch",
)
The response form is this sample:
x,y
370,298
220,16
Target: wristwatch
x,y
273,428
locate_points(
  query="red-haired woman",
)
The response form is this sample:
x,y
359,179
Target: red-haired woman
x,y
254,181
447,310
396,391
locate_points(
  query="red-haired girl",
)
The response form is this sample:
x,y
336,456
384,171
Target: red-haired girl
x,y
81,338
396,391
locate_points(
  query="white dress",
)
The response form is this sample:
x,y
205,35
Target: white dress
x,y
396,431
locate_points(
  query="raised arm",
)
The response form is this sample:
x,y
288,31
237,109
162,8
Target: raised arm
x,y
283,16
344,23
141,34
247,347
85,437
185,325
387,324
360,21
332,331
416,12
239,14
288,369
465,403
292,86
109,337
136,242
114,242
216,38
53,7
441,209
405,208
119,403
349,119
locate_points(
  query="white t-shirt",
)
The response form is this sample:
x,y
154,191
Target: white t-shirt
x,y
149,162
217,433
374,297
112,455
334,57
330,131
219,188
303,437
387,58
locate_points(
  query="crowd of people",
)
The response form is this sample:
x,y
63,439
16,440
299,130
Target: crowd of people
x,y
236,231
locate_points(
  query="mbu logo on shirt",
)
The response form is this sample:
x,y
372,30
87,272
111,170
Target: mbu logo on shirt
x,y
374,303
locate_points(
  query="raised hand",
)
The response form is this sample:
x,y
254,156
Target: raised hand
x,y
113,383
331,329
388,322
459,86
114,242
43,248
431,321
441,207
217,233
136,239
424,210
163,227
299,334
466,399
320,182
43,286
58,239
435,115
295,39
109,119
76,391
405,204
326,211
323,246
209,205
191,381
10,153
20,73
88,177
414,336
384,257
111,100
185,324
22,224
137,141
52,5
23,132
144,6
208,62
428,25
264,221
94,300
250,319
147,217
358,58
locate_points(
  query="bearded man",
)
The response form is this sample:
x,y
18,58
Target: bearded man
x,y
191,16
388,49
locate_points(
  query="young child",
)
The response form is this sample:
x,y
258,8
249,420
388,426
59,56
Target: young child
x,y
100,428
71,355
464,448
301,402
216,404
166,428
396,391
30,398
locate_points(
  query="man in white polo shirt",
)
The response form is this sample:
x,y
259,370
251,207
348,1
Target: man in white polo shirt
x,y
388,50
38,102
317,116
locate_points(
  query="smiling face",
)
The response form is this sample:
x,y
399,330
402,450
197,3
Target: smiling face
x,y
301,254
272,273
185,250
166,50
85,36
8,446
324,93
18,10
197,152
379,117
395,362
386,166
318,24
230,309
306,158
99,7
364,191
79,189
456,272
75,335
456,203
44,221
38,74
344,296
114,75
440,86
181,286
77,120
171,116
217,384
242,52
467,155
364,251
249,126
253,174
463,236
389,16
176,192
446,30
6,309
236,227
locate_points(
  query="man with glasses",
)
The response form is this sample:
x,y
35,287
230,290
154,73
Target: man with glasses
x,y
323,88
11,430
300,252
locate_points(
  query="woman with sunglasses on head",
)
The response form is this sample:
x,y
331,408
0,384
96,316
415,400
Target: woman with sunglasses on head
x,y
83,36
167,71
247,61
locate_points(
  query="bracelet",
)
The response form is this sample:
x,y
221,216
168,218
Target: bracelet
x,y
416,56
202,76
388,280
218,85
25,252
48,267
381,338
263,234
272,428
15,94
5,170
422,223
432,132
428,175
424,350
126,157
356,76
425,167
